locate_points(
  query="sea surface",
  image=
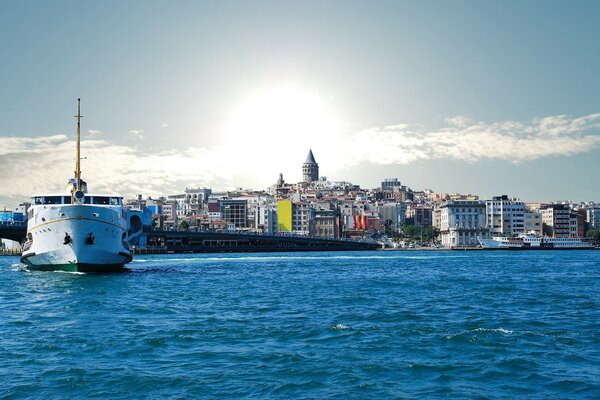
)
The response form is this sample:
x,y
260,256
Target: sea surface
x,y
357,325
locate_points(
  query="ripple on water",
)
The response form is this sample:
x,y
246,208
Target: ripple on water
x,y
319,325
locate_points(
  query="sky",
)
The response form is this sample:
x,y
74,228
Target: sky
x,y
482,97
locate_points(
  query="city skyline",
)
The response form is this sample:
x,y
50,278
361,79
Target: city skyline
x,y
468,97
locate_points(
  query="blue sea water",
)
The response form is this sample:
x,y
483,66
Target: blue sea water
x,y
307,325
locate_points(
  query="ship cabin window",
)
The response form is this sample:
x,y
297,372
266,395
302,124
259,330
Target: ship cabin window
x,y
53,200
102,200
47,200
106,201
67,200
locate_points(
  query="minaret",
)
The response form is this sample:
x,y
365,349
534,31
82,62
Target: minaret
x,y
310,168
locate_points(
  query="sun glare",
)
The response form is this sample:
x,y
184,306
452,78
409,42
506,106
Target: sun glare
x,y
279,117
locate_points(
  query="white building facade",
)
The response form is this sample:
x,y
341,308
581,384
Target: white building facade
x,y
462,222
504,216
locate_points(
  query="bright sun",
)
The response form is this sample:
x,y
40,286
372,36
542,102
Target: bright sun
x,y
285,115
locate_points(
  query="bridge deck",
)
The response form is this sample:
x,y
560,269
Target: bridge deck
x,y
214,242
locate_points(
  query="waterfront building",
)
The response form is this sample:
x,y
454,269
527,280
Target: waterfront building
x,y
576,225
419,215
137,203
252,201
266,219
326,223
504,216
310,169
436,216
234,212
214,211
262,214
179,200
533,223
556,220
190,202
169,213
347,210
593,218
373,221
155,206
462,222
303,219
392,215
194,200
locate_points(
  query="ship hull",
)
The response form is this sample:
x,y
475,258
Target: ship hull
x,y
76,267
77,238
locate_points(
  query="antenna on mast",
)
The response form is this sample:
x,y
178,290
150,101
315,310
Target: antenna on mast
x,y
77,186
78,159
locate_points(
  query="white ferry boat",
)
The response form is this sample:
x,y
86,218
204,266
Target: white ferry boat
x,y
77,232
532,242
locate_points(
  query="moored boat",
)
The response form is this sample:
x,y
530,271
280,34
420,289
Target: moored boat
x,y
532,242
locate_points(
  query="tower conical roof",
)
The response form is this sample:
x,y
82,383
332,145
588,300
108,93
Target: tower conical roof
x,y
310,159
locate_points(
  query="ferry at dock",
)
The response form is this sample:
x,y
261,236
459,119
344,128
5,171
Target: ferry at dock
x,y
76,231
532,242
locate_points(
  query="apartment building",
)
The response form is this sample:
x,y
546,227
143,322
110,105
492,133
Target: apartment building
x,y
533,223
505,216
556,220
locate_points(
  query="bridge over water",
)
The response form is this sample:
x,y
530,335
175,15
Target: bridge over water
x,y
216,242
222,242
13,230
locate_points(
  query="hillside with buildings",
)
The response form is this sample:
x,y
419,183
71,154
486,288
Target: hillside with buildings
x,y
319,207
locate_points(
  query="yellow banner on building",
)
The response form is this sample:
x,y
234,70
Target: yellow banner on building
x,y
284,215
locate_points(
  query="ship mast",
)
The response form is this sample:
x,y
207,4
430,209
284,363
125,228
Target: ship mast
x,y
78,155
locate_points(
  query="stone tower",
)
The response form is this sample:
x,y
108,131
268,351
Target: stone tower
x,y
310,168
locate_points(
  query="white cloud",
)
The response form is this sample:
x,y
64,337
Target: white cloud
x,y
94,132
11,144
44,164
165,125
467,140
137,134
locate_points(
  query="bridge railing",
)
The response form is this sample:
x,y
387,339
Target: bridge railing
x,y
264,234
15,224
10,252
